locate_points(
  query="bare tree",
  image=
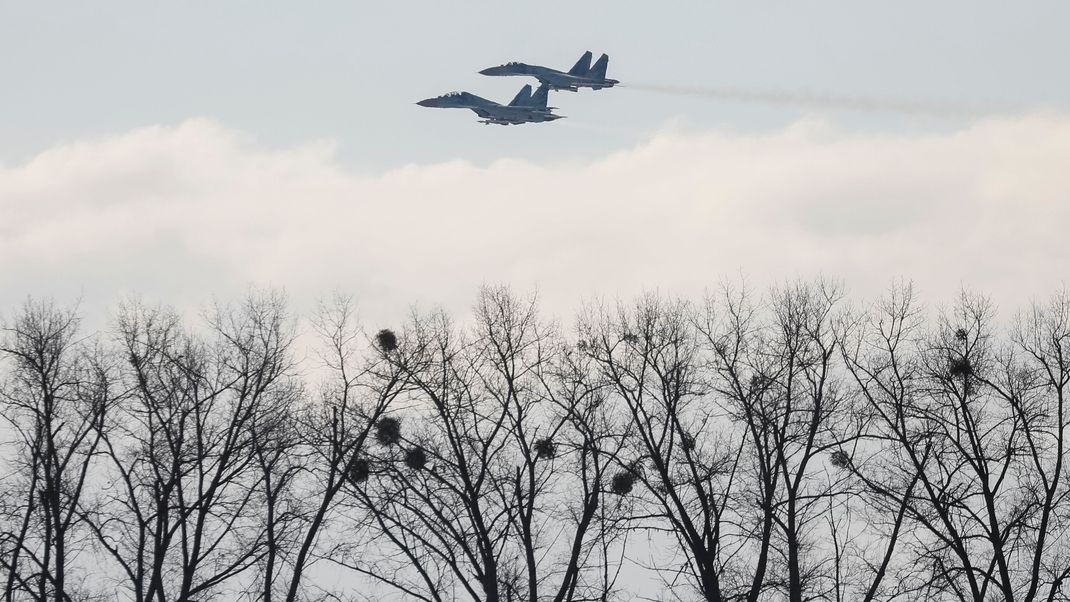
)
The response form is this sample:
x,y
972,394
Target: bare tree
x,y
794,407
179,509
335,431
730,409
762,449
649,359
280,458
1035,381
967,442
489,484
55,401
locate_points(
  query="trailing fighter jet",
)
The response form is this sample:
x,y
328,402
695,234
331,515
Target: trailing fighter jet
x,y
581,75
524,108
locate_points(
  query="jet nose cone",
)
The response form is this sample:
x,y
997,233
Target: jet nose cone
x,y
428,102
491,71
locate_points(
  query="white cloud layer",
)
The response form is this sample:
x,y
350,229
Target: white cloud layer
x,y
183,213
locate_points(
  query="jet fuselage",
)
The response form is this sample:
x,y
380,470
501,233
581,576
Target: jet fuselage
x,y
524,109
557,80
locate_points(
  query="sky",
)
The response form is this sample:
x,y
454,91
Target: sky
x,y
185,151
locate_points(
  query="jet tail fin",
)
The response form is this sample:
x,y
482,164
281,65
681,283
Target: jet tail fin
x,y
598,70
539,98
523,97
583,65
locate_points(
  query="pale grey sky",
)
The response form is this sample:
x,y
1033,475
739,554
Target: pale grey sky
x,y
285,72
182,150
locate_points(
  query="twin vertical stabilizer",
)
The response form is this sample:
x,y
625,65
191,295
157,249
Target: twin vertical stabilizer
x,y
598,71
582,66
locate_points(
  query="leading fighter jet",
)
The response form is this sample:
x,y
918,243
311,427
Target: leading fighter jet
x,y
524,108
581,75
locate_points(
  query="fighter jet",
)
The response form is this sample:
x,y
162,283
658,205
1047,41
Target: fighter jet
x,y
524,108
581,75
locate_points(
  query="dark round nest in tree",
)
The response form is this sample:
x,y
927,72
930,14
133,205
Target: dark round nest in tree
x,y
840,459
387,340
688,442
960,367
388,431
359,470
545,449
623,482
416,458
961,334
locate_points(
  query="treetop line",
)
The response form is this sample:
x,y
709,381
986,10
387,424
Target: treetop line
x,y
788,446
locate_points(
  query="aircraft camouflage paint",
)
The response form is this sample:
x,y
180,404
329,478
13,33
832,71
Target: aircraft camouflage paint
x,y
524,108
581,75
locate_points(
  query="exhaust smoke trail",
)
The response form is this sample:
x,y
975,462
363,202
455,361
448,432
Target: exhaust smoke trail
x,y
821,101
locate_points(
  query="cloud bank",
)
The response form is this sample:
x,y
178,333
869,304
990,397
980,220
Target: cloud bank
x,y
183,213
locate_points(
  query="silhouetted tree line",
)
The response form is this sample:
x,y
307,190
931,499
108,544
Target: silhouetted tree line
x,y
784,446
